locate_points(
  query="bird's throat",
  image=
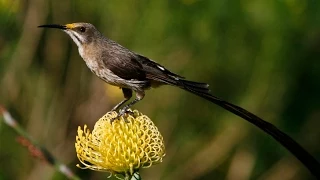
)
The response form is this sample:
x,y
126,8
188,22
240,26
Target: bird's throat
x,y
75,37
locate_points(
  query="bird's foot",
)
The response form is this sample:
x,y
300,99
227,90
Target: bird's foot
x,y
114,108
125,110
122,113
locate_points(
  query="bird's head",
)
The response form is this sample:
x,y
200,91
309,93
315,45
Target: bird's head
x,y
81,33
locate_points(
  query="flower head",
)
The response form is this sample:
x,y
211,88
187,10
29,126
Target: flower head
x,y
120,147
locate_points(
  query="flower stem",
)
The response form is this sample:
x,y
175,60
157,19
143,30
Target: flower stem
x,y
136,176
43,153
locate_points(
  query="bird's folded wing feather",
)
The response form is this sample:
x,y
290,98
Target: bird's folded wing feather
x,y
125,67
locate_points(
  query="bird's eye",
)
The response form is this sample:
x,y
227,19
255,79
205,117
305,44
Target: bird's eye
x,y
82,29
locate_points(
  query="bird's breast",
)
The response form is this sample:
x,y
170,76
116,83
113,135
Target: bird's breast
x,y
98,68
96,65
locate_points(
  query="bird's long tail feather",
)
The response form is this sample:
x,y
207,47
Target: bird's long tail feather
x,y
201,89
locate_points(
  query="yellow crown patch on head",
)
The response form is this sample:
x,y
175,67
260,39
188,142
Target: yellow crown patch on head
x,y
70,26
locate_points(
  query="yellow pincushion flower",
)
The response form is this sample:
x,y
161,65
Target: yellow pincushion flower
x,y
121,147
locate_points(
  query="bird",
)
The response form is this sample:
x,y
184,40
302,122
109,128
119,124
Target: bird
x,y
119,66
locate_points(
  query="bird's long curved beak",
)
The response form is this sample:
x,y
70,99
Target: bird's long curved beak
x,y
57,26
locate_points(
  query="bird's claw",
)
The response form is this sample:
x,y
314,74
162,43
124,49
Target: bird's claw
x,y
122,113
114,109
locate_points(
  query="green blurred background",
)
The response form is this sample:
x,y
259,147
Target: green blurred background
x,y
260,54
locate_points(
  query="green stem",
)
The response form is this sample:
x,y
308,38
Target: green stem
x,y
7,119
136,176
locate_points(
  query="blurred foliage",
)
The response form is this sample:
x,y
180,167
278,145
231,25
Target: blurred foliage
x,y
260,54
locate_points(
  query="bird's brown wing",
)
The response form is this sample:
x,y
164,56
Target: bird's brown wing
x,y
158,75
151,67
124,66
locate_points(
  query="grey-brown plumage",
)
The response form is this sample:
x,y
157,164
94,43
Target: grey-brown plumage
x,y
121,67
130,71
